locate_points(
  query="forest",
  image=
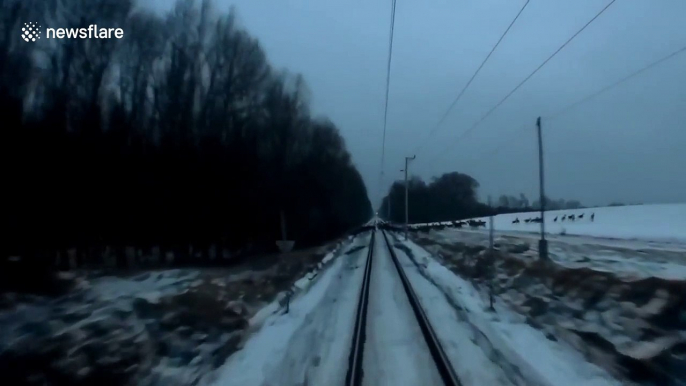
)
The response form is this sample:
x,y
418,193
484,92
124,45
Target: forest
x,y
454,196
179,136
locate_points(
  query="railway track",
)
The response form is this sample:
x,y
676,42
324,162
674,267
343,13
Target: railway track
x,y
356,364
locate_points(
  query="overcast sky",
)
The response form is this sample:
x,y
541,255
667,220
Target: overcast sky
x,y
628,144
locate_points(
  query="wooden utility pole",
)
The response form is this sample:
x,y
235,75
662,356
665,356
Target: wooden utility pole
x,y
407,215
491,256
542,243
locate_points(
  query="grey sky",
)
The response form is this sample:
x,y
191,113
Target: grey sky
x,y
625,145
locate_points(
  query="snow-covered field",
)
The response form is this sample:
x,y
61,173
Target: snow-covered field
x,y
630,259
663,222
631,241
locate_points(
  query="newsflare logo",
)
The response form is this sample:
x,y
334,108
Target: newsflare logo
x,y
31,32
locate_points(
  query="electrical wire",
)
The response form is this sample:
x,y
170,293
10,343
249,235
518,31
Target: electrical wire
x,y
388,84
452,105
581,101
471,129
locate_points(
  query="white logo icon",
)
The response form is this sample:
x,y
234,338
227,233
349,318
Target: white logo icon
x,y
30,32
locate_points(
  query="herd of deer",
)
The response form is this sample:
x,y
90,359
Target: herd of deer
x,y
571,217
459,224
450,224
420,227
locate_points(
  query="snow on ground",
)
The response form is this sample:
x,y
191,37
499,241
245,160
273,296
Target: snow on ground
x,y
310,343
163,327
624,258
660,222
101,329
395,352
628,324
539,359
150,286
472,364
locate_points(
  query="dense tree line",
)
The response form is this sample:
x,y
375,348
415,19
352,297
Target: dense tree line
x,y
522,202
453,196
179,134
558,204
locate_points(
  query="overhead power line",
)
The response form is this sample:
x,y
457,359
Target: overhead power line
x,y
581,101
464,134
633,74
388,83
452,105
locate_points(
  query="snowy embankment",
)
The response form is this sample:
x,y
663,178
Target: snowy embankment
x,y
165,327
525,354
660,222
100,330
633,326
310,343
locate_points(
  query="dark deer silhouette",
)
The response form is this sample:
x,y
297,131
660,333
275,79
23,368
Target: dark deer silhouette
x,y
581,216
516,221
564,217
555,219
571,217
592,216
